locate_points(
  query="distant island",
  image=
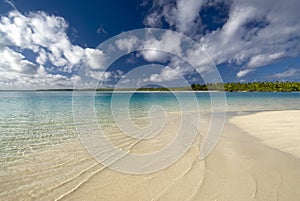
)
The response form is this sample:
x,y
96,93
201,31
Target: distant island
x,y
229,87
249,87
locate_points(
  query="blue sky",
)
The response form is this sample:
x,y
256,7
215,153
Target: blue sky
x,y
44,44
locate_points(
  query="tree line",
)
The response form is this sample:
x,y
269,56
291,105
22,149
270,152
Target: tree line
x,y
251,86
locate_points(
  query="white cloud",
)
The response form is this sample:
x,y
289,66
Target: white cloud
x,y
182,15
16,62
157,49
264,59
153,55
290,73
153,20
187,12
45,35
101,76
199,59
39,80
169,74
127,44
95,58
42,58
243,73
255,34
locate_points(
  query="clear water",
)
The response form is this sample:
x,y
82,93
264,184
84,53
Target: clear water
x,y
31,121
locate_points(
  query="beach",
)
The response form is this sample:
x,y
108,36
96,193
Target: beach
x,y
256,158
150,100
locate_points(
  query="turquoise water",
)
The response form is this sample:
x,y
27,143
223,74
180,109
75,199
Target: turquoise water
x,y
31,121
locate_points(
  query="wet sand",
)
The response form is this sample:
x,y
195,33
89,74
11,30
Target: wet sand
x,y
245,165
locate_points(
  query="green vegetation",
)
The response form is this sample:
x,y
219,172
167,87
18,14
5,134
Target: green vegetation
x,y
253,86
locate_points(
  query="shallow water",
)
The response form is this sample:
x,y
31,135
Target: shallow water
x,y
39,143
31,121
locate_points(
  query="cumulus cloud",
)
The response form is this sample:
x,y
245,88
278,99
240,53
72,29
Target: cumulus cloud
x,y
199,59
181,14
187,12
16,62
40,32
156,49
39,80
182,56
167,74
103,76
256,33
253,34
95,58
175,70
127,44
45,36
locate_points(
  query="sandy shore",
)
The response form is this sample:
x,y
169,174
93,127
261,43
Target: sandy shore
x,y
277,129
250,162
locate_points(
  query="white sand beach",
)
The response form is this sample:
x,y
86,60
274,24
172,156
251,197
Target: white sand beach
x,y
277,129
257,158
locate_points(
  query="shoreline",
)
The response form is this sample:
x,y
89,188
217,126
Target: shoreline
x,y
266,127
241,167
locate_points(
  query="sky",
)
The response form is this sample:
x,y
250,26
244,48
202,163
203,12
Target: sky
x,y
45,44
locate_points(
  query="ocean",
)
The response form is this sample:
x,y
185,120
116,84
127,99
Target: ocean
x,y
30,121
42,158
